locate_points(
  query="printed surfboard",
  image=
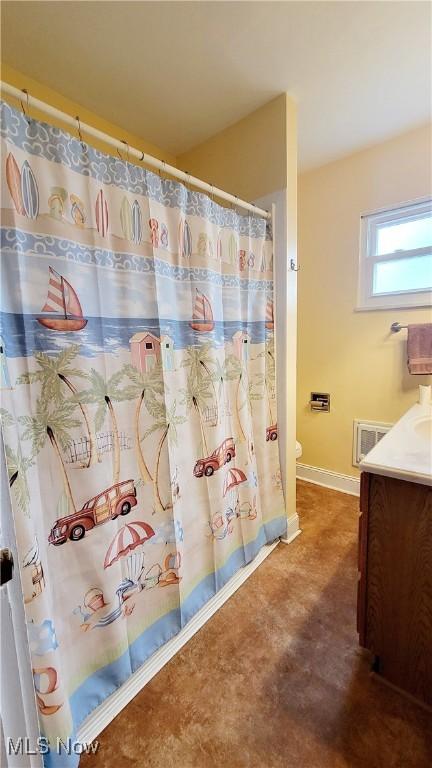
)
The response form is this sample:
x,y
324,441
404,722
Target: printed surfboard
x,y
164,235
185,239
126,219
29,191
136,222
232,249
101,214
13,178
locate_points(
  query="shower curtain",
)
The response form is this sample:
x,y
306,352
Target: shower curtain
x,y
138,408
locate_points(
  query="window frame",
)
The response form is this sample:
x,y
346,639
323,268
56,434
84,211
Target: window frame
x,y
369,226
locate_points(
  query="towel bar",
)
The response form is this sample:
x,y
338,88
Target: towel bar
x,y
396,327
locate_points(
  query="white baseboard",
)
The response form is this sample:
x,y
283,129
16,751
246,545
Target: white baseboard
x,y
328,479
112,706
293,529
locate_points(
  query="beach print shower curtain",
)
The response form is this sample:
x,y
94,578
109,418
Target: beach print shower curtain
x,y
138,407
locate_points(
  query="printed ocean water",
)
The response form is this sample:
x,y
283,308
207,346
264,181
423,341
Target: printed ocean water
x,y
23,335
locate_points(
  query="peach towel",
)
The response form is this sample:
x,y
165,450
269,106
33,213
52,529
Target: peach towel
x,y
419,348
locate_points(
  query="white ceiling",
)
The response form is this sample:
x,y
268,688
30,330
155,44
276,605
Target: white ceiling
x,y
177,73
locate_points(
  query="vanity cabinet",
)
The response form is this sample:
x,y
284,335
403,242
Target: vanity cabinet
x,y
394,605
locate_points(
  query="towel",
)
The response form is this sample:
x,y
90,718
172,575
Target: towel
x,y
419,348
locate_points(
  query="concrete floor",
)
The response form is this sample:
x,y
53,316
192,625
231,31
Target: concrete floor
x,y
276,677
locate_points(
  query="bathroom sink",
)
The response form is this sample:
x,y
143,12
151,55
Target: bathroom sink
x,y
423,428
405,452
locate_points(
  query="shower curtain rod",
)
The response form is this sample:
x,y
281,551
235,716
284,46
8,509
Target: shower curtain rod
x,y
153,162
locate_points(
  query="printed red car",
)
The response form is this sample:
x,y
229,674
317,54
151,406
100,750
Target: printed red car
x,y
112,502
272,432
216,460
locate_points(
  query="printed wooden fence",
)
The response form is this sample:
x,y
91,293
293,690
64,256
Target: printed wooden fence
x,y
78,451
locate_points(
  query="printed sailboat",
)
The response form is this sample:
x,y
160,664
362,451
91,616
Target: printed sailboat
x,y
202,316
269,321
63,305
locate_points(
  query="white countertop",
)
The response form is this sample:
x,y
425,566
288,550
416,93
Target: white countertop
x,y
405,452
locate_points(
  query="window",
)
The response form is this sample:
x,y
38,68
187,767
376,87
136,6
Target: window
x,y
149,345
396,257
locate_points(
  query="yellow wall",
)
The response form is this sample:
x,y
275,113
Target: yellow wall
x,y
248,159
55,99
256,159
351,354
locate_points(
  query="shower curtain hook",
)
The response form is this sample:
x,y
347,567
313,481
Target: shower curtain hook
x,y
124,142
159,170
127,149
26,108
79,131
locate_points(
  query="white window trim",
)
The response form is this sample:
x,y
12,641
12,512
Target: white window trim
x,y
414,299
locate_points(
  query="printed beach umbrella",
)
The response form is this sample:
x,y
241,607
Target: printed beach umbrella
x,y
233,478
128,543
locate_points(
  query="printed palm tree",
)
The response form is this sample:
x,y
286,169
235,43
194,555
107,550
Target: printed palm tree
x,y
195,396
54,372
223,372
252,393
239,372
199,359
262,379
142,384
268,378
52,421
102,393
17,466
167,420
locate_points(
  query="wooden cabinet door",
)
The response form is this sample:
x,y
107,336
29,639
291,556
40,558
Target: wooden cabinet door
x,y
362,557
398,621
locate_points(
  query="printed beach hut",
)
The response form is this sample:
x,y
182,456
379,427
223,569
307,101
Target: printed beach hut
x,y
241,344
167,352
145,351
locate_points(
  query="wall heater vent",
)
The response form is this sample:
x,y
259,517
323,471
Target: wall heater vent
x,y
366,435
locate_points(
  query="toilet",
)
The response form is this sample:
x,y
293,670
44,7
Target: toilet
x,y
298,449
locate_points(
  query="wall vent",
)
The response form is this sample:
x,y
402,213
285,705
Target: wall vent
x,y
366,435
